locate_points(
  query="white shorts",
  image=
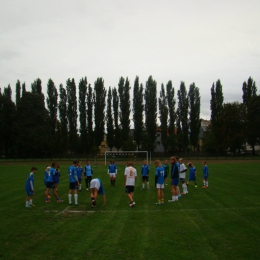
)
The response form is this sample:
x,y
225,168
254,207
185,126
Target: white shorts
x,y
112,175
159,186
95,184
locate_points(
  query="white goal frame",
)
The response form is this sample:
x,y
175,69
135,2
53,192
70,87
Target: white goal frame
x,y
124,152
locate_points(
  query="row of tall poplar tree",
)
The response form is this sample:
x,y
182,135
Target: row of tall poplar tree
x,y
76,120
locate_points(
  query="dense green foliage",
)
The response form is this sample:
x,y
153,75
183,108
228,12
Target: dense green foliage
x,y
124,104
150,107
163,112
194,114
118,138
109,120
83,85
138,110
216,106
99,105
249,92
72,114
32,127
182,116
63,118
77,120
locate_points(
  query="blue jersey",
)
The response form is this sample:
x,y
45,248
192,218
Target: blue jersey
x,y
29,186
205,171
175,171
178,165
145,170
57,176
51,175
192,172
45,177
88,170
73,173
112,168
159,173
79,172
101,188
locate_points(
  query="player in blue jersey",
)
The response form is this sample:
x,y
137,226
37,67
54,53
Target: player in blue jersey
x,y
96,187
112,171
160,177
166,170
51,182
88,173
74,182
192,175
174,179
57,177
79,171
29,187
205,175
46,172
145,175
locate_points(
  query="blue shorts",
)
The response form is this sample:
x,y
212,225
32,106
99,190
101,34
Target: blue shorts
x,y
192,178
205,177
175,182
29,193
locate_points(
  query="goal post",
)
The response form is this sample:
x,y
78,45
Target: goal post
x,y
125,153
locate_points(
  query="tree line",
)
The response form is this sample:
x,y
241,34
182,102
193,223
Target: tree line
x,y
73,119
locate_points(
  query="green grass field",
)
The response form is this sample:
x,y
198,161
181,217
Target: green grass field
x,y
222,222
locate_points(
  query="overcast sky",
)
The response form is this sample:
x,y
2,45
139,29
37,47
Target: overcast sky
x,y
197,41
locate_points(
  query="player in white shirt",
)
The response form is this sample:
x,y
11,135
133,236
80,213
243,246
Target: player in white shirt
x,y
183,170
130,177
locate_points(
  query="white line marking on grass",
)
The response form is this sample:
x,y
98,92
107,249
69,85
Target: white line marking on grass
x,y
61,212
175,210
79,211
130,209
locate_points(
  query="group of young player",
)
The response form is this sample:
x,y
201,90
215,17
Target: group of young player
x,y
177,174
75,172
52,176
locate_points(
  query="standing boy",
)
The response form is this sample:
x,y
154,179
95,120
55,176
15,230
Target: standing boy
x,y
74,182
192,175
46,173
145,175
57,177
29,187
88,173
130,177
51,182
79,172
159,177
112,171
174,179
205,175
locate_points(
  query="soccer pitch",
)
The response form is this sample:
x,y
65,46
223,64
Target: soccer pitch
x,y
221,222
